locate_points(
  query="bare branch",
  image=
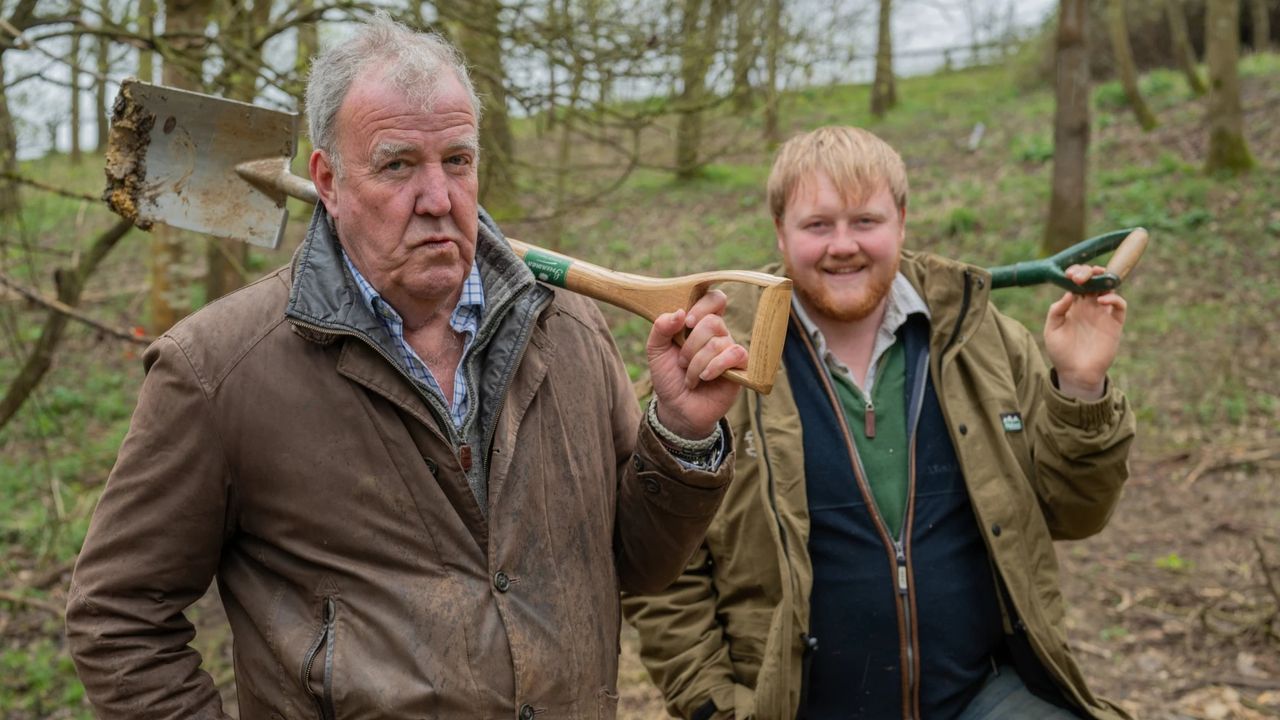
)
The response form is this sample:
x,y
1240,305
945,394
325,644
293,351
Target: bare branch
x,y
72,313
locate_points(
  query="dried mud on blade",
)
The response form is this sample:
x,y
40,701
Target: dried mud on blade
x,y
172,157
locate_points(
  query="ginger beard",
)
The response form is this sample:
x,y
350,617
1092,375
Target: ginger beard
x,y
844,304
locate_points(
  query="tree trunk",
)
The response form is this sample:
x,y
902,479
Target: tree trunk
x,y
1067,216
1227,148
745,51
308,43
10,203
772,49
226,261
479,38
1125,67
73,63
169,302
1261,22
697,50
100,108
884,94
146,28
1180,38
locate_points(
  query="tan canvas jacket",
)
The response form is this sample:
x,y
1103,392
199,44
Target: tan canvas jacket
x,y
730,628
289,460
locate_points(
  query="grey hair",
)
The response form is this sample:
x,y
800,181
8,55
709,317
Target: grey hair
x,y
414,63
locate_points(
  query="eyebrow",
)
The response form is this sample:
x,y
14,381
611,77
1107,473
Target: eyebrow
x,y
387,150
470,144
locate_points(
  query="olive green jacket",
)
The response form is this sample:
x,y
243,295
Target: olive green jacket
x,y
730,629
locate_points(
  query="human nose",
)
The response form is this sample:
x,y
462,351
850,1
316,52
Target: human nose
x,y
844,241
433,193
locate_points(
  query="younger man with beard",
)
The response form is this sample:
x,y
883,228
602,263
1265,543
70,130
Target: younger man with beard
x,y
887,548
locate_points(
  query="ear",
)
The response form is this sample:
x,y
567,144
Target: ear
x,y
778,232
325,180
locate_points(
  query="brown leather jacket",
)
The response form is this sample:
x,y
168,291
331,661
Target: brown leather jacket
x,y
288,458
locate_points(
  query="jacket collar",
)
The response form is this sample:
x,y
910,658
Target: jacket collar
x,y
956,293
324,301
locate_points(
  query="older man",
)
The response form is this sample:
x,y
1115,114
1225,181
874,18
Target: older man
x,y
419,477
886,550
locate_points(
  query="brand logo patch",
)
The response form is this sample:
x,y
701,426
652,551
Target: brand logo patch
x,y
1012,421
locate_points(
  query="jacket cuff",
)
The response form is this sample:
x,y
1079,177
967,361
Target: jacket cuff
x,y
675,487
1085,414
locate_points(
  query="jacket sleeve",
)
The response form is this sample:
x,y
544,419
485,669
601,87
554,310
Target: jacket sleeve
x,y
1080,448
151,551
663,508
684,648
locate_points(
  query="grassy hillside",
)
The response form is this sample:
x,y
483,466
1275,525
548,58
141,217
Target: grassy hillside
x,y
1174,588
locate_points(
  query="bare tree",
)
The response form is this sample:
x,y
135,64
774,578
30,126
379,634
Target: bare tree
x,y
1261,22
1227,149
746,51
700,28
185,22
884,92
1180,37
9,200
1067,211
21,19
308,42
102,45
478,32
146,30
772,51
226,261
1125,67
73,65
70,283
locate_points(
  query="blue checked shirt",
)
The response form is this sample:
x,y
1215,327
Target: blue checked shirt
x,y
465,319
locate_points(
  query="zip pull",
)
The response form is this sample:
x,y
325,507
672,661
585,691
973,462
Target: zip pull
x,y
464,457
902,571
869,421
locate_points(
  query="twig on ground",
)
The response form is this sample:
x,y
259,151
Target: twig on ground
x,y
1212,460
32,602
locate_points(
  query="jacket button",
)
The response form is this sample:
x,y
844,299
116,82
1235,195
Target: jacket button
x,y
501,582
995,529
964,429
637,463
651,486
526,712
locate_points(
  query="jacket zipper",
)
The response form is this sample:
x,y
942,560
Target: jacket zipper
x,y
325,639
905,590
894,546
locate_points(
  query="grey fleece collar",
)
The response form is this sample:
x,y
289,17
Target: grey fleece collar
x,y
324,295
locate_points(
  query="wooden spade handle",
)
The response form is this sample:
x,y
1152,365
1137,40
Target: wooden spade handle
x,y
650,297
1128,253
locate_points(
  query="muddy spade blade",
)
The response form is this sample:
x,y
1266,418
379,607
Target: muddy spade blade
x,y
177,157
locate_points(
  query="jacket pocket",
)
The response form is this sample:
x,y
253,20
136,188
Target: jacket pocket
x,y
318,662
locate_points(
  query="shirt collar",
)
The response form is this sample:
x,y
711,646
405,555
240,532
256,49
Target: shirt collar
x,y
902,302
470,302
